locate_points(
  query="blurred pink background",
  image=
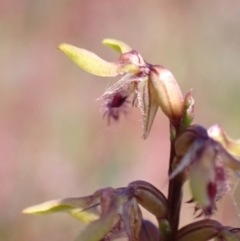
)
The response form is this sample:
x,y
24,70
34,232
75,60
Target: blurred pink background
x,y
53,140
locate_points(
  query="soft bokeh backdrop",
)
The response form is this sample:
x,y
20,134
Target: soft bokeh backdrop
x,y
53,140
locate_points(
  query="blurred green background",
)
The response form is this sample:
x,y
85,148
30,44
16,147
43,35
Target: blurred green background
x,y
53,140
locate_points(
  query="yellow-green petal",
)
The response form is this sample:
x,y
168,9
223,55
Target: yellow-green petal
x,y
117,45
77,207
98,229
85,216
232,146
59,205
48,207
230,161
90,62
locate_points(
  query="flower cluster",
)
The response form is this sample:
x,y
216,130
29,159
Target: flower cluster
x,y
115,213
117,210
199,155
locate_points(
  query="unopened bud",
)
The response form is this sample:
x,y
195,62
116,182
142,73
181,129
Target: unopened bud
x,y
232,231
132,57
199,231
227,235
150,198
188,111
167,93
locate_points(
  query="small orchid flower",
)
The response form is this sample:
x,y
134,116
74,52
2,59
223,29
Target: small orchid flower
x,y
206,162
112,213
151,86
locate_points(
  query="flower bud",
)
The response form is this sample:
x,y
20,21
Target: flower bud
x,y
188,111
227,235
150,198
199,231
231,234
132,57
167,93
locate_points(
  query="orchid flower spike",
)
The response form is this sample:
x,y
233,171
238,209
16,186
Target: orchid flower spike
x,y
151,86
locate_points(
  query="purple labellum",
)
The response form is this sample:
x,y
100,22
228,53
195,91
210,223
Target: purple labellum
x,y
212,191
114,106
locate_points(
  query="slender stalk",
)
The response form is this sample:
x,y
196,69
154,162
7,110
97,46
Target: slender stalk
x,y
174,193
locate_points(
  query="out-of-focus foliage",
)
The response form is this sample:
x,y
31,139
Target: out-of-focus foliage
x,y
53,141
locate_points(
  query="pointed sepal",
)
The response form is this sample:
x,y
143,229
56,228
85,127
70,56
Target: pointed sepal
x,y
117,45
232,146
90,62
84,209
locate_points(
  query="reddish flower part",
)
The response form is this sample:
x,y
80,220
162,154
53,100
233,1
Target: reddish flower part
x,y
206,162
115,106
